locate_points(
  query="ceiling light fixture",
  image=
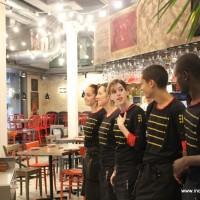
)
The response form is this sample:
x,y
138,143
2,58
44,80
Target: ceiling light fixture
x,y
16,29
12,48
23,96
23,74
23,43
117,4
61,61
59,6
102,13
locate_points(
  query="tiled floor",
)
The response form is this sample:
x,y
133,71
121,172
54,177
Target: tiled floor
x,y
34,194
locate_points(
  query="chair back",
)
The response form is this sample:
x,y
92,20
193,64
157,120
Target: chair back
x,y
57,130
29,145
50,139
11,150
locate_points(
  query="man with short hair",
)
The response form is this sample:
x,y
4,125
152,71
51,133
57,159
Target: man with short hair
x,y
164,135
188,77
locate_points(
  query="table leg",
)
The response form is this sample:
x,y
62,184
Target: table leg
x,y
50,177
70,160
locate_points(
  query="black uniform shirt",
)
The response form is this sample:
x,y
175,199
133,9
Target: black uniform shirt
x,y
135,123
165,130
91,128
192,129
107,139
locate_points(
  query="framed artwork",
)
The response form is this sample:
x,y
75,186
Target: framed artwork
x,y
34,102
124,31
34,85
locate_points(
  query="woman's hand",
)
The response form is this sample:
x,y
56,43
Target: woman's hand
x,y
112,177
121,120
179,166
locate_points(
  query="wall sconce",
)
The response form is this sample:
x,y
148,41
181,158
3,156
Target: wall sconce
x,y
23,74
47,97
43,77
83,94
23,96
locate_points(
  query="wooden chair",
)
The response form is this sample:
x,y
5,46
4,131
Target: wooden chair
x,y
71,178
12,134
41,165
23,173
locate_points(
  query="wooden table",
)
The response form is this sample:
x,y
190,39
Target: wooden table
x,y
50,151
75,140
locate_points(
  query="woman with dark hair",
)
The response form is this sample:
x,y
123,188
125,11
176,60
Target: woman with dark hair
x,y
107,142
129,131
91,168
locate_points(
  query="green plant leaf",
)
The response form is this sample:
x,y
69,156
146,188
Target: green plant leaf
x,y
179,16
195,22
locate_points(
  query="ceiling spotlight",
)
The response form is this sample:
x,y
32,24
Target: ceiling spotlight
x,y
23,43
59,6
16,29
117,4
102,13
61,61
37,14
12,48
71,14
90,18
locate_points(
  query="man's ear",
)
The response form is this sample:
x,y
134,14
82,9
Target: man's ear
x,y
185,75
151,83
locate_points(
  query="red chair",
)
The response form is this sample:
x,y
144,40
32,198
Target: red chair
x,y
52,118
42,165
12,134
44,124
71,178
34,123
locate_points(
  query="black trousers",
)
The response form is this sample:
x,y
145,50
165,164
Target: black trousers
x,y
125,181
91,174
191,188
107,192
156,182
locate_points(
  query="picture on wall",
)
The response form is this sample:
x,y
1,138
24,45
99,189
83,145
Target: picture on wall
x,y
124,31
34,102
34,85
